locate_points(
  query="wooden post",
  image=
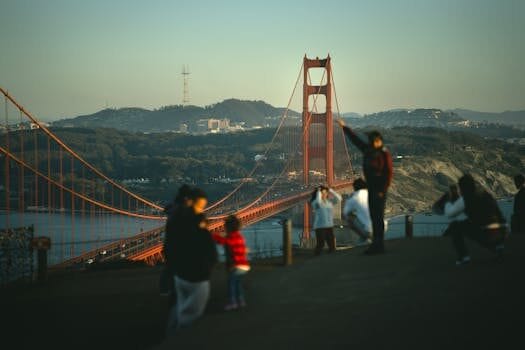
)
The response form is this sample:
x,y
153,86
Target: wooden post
x,y
287,242
409,226
42,244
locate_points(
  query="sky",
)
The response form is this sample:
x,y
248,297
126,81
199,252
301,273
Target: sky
x,y
63,58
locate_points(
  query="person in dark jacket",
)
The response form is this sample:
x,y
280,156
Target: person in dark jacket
x,y
174,210
195,255
518,214
485,223
377,168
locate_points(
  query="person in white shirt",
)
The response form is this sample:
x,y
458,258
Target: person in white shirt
x,y
357,213
454,206
323,201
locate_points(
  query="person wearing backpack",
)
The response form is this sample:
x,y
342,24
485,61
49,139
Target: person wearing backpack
x,y
377,168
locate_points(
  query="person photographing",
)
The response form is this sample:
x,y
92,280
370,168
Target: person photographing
x,y
323,201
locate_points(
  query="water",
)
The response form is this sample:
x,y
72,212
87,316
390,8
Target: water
x,y
90,231
263,239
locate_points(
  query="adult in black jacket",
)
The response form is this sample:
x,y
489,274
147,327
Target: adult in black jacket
x,y
518,215
192,260
485,223
178,213
378,171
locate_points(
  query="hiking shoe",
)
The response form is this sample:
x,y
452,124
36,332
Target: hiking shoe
x,y
464,260
230,307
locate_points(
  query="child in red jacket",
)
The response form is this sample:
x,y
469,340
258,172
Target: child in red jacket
x,y
236,261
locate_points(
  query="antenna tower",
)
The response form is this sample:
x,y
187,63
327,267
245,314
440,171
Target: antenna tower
x,y
186,92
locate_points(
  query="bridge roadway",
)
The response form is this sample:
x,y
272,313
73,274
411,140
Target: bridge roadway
x,y
147,246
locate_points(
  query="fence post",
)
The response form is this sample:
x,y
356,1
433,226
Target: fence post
x,y
42,244
409,226
287,242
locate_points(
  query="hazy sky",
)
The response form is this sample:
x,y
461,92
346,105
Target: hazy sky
x,y
69,57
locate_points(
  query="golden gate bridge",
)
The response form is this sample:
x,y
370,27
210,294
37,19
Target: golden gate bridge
x,y
42,174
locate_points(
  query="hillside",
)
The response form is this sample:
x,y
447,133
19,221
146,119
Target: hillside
x,y
259,113
431,159
412,118
516,118
436,118
170,118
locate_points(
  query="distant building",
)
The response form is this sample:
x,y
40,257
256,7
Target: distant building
x,y
213,125
35,126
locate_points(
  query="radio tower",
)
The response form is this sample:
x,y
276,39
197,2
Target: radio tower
x,y
186,92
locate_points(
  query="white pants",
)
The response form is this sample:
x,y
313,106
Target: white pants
x,y
192,298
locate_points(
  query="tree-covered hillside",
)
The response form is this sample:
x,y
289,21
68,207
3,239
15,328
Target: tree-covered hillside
x,y
426,159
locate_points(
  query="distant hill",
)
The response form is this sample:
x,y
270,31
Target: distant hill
x,y
411,118
169,118
260,113
431,159
516,118
352,115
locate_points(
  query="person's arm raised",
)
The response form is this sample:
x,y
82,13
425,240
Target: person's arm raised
x,y
336,196
352,136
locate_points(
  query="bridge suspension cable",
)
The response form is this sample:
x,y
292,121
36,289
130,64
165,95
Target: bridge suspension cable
x,y
74,154
286,167
267,150
347,152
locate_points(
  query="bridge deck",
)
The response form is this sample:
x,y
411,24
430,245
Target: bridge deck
x,y
412,297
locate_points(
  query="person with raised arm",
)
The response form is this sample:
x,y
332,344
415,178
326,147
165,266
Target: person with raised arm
x,y
377,168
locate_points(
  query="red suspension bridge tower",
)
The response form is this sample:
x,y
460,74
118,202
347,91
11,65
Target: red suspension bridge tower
x,y
326,150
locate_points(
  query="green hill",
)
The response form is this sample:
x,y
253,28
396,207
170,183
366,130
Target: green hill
x,y
169,118
426,160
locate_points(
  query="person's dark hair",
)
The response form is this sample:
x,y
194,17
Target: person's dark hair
x,y
519,180
314,193
232,223
372,135
183,193
359,184
197,193
313,196
467,185
454,194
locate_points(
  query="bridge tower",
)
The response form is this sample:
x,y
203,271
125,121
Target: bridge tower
x,y
326,151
